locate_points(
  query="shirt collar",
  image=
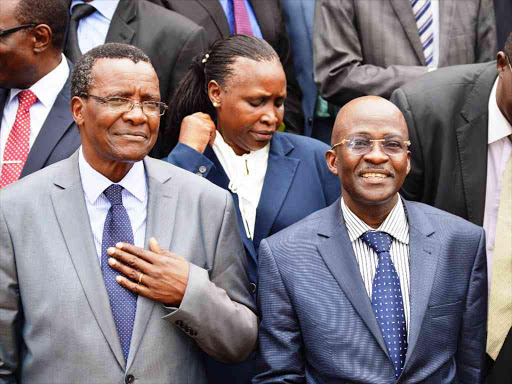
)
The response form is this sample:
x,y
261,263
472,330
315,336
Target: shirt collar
x,y
498,127
105,7
94,183
49,86
395,224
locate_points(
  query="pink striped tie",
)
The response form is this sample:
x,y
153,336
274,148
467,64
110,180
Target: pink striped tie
x,y
242,23
18,143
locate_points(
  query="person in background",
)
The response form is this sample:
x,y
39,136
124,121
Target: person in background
x,y
369,47
374,288
88,290
459,122
259,18
298,16
230,106
169,39
36,125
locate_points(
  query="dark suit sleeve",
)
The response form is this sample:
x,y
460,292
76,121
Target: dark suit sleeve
x,y
10,307
340,70
413,185
280,338
485,46
470,355
189,159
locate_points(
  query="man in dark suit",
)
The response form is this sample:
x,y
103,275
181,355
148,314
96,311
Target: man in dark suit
x,y
375,288
31,63
169,39
459,122
211,15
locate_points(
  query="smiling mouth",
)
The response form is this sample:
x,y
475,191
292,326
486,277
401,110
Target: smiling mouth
x,y
371,175
133,136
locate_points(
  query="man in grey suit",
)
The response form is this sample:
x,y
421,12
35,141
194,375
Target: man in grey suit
x,y
368,47
31,41
373,289
66,315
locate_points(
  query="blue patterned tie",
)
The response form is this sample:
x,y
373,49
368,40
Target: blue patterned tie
x,y
123,302
387,302
424,16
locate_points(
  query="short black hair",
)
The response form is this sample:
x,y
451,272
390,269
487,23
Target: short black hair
x,y
54,13
508,47
81,78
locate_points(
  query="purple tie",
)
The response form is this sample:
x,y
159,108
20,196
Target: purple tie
x,y
242,23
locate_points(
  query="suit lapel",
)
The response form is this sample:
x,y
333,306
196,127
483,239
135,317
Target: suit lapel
x,y
423,256
217,14
472,144
446,14
219,178
339,257
120,31
71,212
57,123
404,12
281,171
162,203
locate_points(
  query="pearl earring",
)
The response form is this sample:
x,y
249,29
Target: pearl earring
x,y
216,105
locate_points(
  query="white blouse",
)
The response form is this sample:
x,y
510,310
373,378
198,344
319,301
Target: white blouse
x,y
246,174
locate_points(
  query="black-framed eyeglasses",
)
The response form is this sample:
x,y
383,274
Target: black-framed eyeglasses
x,y
123,105
6,32
361,144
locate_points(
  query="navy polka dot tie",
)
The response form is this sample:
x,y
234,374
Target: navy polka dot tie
x,y
387,302
122,301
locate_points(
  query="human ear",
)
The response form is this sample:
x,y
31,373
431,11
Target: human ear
x,y
215,92
42,38
77,110
331,160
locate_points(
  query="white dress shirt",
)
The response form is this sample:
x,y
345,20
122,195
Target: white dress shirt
x,y
92,30
46,89
395,225
246,175
499,148
134,194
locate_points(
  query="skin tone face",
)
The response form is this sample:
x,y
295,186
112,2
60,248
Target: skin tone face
x,y
251,103
504,90
369,182
25,55
113,141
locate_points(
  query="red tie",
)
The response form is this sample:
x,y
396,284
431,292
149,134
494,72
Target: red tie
x,y
242,23
18,143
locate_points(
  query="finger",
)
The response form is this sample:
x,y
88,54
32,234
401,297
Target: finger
x,y
130,260
129,272
213,134
134,287
141,253
154,246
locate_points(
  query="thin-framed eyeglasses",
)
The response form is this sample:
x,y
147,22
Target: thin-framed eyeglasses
x,y
362,144
508,62
6,32
124,104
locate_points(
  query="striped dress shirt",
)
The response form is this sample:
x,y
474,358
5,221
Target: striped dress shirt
x,y
395,225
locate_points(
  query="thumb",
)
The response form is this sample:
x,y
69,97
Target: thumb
x,y
153,246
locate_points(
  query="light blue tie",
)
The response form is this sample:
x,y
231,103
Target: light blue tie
x,y
422,10
122,301
387,302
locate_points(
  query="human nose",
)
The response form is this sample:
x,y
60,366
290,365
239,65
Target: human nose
x,y
376,155
272,116
135,115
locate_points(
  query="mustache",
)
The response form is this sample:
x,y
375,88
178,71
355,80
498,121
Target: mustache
x,y
377,168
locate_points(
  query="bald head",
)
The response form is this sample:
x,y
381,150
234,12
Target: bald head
x,y
367,112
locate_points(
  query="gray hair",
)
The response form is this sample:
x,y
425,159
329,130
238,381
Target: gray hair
x,y
81,79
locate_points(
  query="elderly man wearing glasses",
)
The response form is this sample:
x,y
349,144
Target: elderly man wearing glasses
x,y
374,288
86,291
36,125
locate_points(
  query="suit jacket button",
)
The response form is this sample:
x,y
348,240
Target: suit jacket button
x,y
253,287
202,169
129,379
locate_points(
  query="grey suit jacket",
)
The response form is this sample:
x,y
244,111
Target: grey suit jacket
x,y
368,47
318,325
56,325
170,40
58,137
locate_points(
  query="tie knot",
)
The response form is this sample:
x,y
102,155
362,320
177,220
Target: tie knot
x,y
378,241
114,194
26,99
81,10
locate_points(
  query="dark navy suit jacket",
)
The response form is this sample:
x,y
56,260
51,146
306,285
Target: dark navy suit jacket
x,y
58,138
317,323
